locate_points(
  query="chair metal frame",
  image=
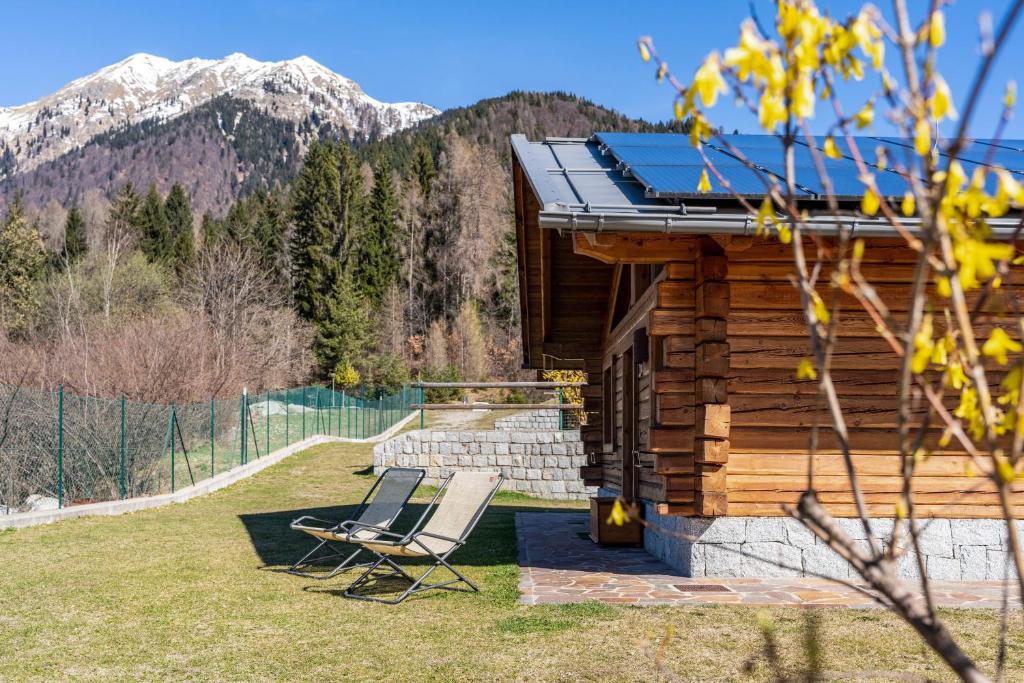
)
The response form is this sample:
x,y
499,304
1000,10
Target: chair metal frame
x,y
345,530
440,559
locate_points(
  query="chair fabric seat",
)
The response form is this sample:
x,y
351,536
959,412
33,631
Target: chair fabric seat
x,y
344,537
413,549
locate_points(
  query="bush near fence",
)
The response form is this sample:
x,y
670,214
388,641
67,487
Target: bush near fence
x,y
60,449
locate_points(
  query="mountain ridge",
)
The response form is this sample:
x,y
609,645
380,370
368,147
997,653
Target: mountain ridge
x,y
146,87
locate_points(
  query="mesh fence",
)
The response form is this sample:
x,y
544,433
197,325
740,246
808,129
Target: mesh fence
x,y
59,449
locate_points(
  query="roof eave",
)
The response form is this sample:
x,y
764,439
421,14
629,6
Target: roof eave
x,y
553,217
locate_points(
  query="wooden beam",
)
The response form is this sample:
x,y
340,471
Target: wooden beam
x,y
612,296
545,284
734,243
639,248
496,406
520,188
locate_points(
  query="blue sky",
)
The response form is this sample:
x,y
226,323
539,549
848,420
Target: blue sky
x,y
445,53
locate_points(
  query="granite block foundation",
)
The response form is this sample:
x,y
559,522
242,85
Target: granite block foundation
x,y
536,461
766,547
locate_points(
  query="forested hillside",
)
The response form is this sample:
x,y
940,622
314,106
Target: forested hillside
x,y
218,152
365,262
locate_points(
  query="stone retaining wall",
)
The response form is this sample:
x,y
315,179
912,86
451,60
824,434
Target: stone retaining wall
x,y
540,463
533,420
954,549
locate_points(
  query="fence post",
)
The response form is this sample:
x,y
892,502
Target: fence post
x,y
316,417
171,428
421,408
244,435
303,413
348,415
268,421
213,434
123,490
287,412
60,448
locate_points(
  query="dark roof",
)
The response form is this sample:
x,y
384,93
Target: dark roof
x,y
648,181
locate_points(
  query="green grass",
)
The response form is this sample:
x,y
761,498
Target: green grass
x,y
194,592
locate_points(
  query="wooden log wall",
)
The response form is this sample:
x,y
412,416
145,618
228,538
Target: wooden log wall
x,y
772,413
676,355
711,368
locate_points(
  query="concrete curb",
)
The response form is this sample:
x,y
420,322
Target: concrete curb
x,y
120,507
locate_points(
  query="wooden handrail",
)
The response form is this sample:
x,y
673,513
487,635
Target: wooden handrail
x,y
495,385
496,406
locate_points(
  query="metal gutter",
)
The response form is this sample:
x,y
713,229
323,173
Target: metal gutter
x,y
732,224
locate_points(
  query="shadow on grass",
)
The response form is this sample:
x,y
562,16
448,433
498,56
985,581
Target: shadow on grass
x,y
493,542
492,546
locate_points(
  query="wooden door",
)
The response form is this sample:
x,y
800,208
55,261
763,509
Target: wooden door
x,y
629,432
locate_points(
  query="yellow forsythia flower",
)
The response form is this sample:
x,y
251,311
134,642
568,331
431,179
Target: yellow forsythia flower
x,y
955,376
1010,96
908,206
820,309
785,234
858,250
765,217
866,116
922,137
771,111
943,287
937,30
901,509
805,369
831,149
941,101
708,80
645,54
998,344
923,346
704,186
618,515
678,110
1005,470
803,98
870,202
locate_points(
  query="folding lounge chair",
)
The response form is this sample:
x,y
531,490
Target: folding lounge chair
x,y
466,496
394,489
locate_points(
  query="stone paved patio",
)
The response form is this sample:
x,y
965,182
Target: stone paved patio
x,y
558,564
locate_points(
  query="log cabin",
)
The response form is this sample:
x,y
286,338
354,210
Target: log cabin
x,y
689,331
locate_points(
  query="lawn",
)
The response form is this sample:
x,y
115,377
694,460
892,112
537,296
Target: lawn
x,y
193,592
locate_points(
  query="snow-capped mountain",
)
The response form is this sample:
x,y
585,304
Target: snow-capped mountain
x,y
145,87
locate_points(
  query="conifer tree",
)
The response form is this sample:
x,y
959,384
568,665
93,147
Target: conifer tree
x,y
182,243
271,228
377,264
344,332
155,236
74,234
351,206
423,168
315,212
212,230
22,260
123,218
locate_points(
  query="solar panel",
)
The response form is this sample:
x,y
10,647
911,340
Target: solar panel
x,y
668,167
